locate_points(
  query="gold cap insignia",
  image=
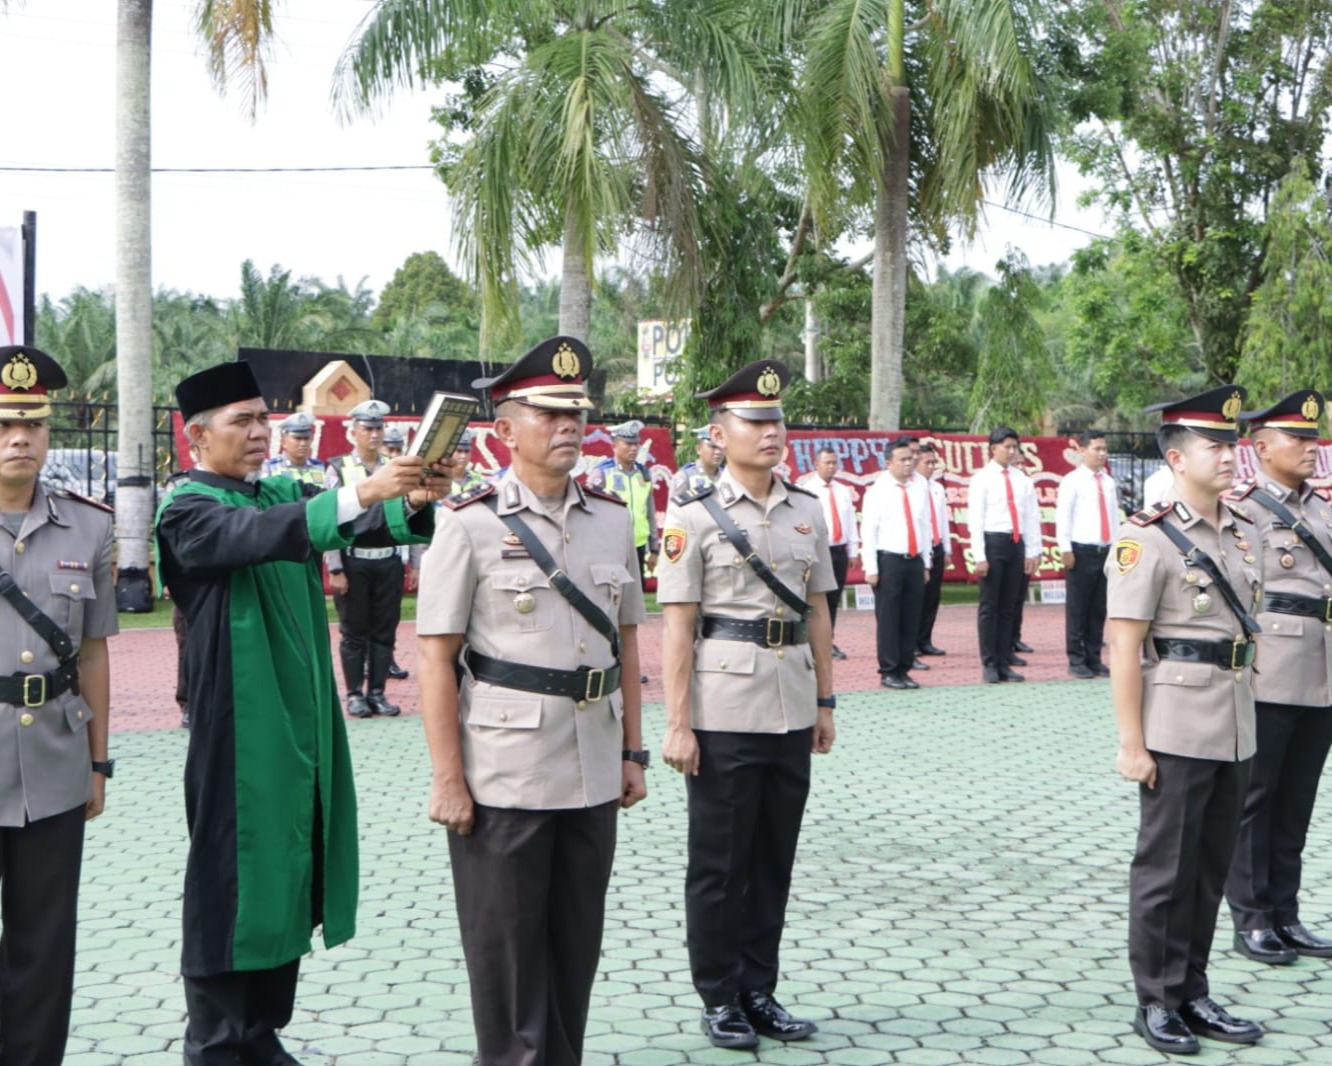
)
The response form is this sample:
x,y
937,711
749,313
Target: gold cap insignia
x,y
565,363
769,384
1311,409
1231,408
19,373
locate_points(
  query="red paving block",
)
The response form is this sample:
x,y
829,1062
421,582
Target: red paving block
x,y
143,662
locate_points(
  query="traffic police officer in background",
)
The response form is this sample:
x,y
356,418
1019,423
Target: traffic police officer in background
x,y
622,475
366,578
295,443
533,581
1293,685
1185,578
706,466
58,608
465,478
747,667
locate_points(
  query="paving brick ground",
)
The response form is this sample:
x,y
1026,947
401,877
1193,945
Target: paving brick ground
x,y
959,898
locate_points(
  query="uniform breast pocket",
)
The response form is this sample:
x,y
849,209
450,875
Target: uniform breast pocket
x,y
70,592
802,566
725,657
609,580
726,567
1186,675
504,712
525,596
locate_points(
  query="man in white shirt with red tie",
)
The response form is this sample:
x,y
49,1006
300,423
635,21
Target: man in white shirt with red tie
x,y
1086,519
1005,527
895,533
927,464
839,512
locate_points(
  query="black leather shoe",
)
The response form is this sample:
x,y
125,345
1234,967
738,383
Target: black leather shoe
x,y
1010,675
1025,649
768,1017
930,649
1206,1017
184,718
379,704
837,653
990,675
1016,660
1304,942
726,1026
1081,670
892,682
1100,669
397,672
1263,945
916,664
358,706
908,681
1164,1030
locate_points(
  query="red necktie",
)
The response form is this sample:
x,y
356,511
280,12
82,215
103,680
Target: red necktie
x,y
1105,511
1012,508
934,523
913,547
836,518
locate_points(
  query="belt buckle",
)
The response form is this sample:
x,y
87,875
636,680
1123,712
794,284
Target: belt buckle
x,y
600,676
771,626
1241,654
28,699
1327,609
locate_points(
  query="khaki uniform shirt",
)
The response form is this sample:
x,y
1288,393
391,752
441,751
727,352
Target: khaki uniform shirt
x,y
61,559
1197,710
738,686
1294,651
523,749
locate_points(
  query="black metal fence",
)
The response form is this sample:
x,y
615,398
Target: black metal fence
x,y
84,437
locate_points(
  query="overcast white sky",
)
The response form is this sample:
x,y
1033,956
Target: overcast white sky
x,y
58,58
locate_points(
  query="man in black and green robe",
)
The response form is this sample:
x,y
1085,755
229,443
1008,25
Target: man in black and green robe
x,y
268,781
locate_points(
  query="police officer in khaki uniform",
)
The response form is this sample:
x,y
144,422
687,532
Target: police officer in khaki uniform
x,y
532,584
1293,684
366,578
1185,713
55,554
747,666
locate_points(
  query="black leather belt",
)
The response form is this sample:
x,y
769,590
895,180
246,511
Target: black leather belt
x,y
765,632
32,690
906,556
1099,549
584,684
1309,606
1227,654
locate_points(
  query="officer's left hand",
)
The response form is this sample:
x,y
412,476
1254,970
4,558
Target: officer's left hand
x,y
651,561
410,577
633,784
824,732
97,804
1029,566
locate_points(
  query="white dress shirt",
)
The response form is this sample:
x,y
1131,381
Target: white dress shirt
x,y
883,526
939,499
835,494
1078,509
1159,486
987,509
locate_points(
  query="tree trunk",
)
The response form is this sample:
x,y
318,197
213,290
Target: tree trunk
x,y
134,303
813,364
888,295
575,283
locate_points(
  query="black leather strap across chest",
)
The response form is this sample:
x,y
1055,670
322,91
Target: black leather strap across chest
x,y
1207,565
741,544
1297,526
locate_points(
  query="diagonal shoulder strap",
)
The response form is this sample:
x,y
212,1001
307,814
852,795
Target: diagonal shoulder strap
x,y
737,537
32,614
559,580
1297,526
1208,566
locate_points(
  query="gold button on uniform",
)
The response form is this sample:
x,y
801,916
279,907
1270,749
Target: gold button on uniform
x,y
582,645
78,715
25,719
20,547
780,611
74,588
582,704
25,657
781,654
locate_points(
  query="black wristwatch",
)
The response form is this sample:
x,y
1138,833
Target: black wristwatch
x,y
827,702
643,758
106,769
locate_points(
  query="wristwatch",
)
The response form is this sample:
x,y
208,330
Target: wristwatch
x,y
106,769
828,702
643,758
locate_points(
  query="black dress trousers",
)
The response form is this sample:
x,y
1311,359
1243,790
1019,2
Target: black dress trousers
x,y
898,597
368,614
840,561
929,611
234,1017
1000,592
745,808
1084,606
1264,883
1186,836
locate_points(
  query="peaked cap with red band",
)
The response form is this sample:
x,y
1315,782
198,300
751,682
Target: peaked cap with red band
x,y
753,392
1297,414
553,374
1213,414
26,374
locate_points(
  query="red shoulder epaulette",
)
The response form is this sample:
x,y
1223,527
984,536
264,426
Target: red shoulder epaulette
x,y
1240,489
65,494
1151,514
600,493
477,492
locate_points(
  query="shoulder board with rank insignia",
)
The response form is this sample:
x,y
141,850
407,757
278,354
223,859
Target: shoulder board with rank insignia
x,y
476,492
691,494
1240,490
1151,514
603,494
65,494
791,486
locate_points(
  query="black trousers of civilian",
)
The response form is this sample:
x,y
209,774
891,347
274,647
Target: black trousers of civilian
x,y
530,888
368,616
929,608
1000,592
234,1017
898,597
1264,882
1084,605
642,565
745,807
840,561
1186,836
1020,604
39,907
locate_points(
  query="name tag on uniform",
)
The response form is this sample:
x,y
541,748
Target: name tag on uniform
x,y
69,564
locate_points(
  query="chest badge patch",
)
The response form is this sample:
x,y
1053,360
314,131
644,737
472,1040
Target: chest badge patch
x,y
673,544
1127,555
69,564
802,528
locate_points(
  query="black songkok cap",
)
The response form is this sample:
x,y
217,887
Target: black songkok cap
x,y
1297,414
1213,414
216,387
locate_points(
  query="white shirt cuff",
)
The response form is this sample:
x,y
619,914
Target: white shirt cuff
x,y
349,505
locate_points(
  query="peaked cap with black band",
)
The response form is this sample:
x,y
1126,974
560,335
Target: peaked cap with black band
x,y
754,392
1213,414
552,375
26,376
217,386
1298,414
